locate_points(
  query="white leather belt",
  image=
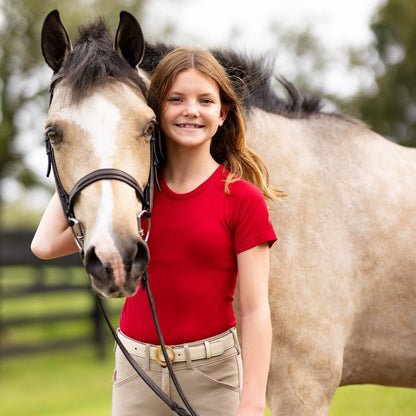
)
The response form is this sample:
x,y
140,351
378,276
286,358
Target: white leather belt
x,y
205,349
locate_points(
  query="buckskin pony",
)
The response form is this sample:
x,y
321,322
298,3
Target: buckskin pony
x,y
343,274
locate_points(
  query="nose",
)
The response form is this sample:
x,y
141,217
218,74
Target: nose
x,y
108,279
191,109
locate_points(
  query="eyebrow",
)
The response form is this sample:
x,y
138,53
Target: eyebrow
x,y
181,93
205,94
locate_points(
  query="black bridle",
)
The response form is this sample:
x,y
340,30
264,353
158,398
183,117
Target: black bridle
x,y
145,196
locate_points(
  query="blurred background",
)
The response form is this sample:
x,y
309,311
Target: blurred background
x,y
55,355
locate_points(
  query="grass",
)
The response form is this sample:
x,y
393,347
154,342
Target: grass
x,y
370,400
77,383
57,384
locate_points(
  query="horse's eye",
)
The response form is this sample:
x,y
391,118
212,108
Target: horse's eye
x,y
53,136
149,129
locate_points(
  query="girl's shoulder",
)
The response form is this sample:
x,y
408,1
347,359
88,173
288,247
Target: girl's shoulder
x,y
240,187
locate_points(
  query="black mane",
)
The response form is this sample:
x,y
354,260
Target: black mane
x,y
93,60
252,80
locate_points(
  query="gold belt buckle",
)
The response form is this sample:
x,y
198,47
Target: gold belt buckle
x,y
159,353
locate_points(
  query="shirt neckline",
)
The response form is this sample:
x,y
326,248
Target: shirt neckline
x,y
187,195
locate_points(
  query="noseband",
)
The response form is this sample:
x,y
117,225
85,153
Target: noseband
x,y
145,196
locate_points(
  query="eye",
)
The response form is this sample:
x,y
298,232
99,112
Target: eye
x,y
53,136
174,99
149,129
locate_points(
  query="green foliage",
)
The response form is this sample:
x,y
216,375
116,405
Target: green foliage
x,y
17,216
22,64
390,108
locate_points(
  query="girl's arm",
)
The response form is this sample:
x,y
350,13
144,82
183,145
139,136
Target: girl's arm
x,y
53,237
253,270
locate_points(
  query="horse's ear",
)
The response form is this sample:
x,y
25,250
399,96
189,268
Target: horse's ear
x,y
129,41
55,42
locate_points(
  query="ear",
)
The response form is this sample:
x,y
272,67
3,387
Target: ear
x,y
223,115
129,41
55,42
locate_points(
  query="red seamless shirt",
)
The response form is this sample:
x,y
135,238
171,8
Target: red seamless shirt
x,y
194,240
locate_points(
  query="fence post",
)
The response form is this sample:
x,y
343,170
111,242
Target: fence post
x,y
99,330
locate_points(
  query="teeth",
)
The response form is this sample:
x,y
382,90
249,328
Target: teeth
x,y
189,126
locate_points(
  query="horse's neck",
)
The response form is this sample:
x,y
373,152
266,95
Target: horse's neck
x,y
325,159
280,141
289,143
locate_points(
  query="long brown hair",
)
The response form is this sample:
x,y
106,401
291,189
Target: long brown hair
x,y
228,146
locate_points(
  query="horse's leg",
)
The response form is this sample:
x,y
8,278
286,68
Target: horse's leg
x,y
302,383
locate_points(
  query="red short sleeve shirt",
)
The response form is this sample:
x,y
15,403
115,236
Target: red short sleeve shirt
x,y
193,243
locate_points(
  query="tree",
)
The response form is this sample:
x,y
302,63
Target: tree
x,y
390,107
23,73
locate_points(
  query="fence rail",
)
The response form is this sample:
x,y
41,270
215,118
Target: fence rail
x,y
29,285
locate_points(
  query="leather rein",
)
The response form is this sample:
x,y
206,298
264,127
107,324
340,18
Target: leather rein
x,y
145,196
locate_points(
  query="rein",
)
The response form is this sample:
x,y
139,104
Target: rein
x,y
145,196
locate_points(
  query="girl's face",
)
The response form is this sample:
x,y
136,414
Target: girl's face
x,y
192,111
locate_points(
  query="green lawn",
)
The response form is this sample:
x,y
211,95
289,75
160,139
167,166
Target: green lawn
x,y
77,383
372,400
72,383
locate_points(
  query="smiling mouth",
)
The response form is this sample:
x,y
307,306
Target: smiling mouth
x,y
189,126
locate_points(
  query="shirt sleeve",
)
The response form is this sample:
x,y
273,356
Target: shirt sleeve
x,y
250,217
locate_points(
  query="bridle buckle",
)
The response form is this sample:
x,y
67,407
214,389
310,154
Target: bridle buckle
x,y
147,214
76,232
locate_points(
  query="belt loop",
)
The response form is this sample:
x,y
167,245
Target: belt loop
x,y
236,343
207,349
187,356
147,356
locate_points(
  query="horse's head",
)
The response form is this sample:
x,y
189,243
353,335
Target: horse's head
x,y
99,120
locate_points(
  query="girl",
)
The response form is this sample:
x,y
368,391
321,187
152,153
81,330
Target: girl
x,y
210,223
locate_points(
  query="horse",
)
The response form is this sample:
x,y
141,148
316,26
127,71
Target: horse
x,y
343,273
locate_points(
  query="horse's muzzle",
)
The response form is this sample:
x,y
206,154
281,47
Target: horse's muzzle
x,y
115,275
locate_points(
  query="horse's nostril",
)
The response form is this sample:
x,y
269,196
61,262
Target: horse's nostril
x,y
94,266
137,266
142,254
